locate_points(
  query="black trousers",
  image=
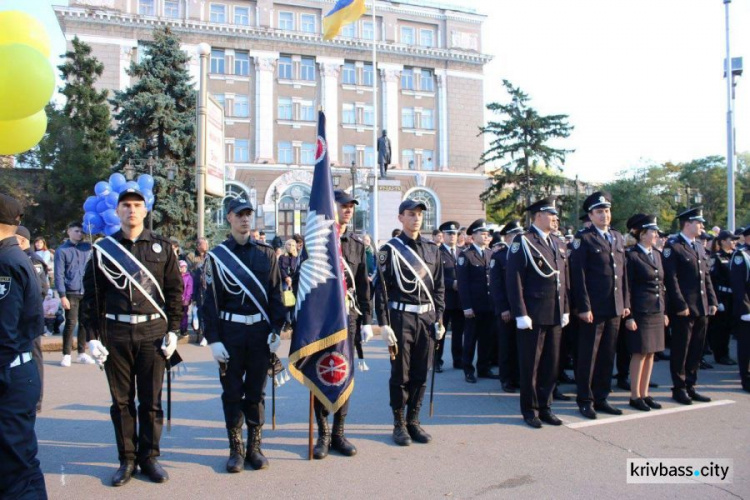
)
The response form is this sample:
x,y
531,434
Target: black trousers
x,y
478,337
538,358
353,331
507,348
569,344
719,330
623,354
453,320
135,365
688,338
597,343
743,351
415,351
245,380
39,361
71,320
20,475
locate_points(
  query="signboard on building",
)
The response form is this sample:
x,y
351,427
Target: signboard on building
x,y
215,149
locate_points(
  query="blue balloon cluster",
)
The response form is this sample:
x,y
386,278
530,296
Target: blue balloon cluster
x,y
100,216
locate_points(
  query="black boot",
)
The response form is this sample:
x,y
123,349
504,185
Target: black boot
x,y
236,460
124,473
254,454
320,450
400,434
338,440
412,426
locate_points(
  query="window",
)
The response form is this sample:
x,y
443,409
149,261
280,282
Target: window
x,y
307,154
217,61
241,63
369,157
285,108
222,101
172,9
286,21
407,159
407,117
218,13
349,74
407,35
348,115
241,106
426,38
307,69
427,81
367,75
367,30
285,152
285,68
429,221
349,31
407,79
146,7
242,16
427,120
307,111
349,154
241,150
307,22
368,117
427,159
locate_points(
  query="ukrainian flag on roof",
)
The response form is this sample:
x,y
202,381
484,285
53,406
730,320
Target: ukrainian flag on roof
x,y
343,13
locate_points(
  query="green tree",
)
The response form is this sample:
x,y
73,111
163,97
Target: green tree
x,y
156,118
529,166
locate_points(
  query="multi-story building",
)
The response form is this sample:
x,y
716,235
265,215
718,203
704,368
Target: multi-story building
x,y
271,70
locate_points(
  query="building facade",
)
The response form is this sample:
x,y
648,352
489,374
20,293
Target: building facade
x,y
271,70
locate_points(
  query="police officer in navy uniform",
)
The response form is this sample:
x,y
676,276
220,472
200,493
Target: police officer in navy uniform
x,y
537,288
721,325
415,307
739,275
453,317
21,321
132,333
473,273
243,315
691,300
358,302
506,326
599,286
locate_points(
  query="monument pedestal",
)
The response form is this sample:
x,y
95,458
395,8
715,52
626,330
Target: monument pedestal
x,y
389,198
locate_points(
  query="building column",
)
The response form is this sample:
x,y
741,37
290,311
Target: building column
x,y
265,67
390,75
442,81
330,68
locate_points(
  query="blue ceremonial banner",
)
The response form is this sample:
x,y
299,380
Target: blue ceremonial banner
x,y
321,355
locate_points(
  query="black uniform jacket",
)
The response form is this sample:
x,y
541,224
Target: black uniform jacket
x,y
156,255
739,275
259,258
688,277
429,253
473,273
645,281
597,272
449,277
498,291
354,252
719,269
544,300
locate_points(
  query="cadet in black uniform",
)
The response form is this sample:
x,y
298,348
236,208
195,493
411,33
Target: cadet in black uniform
x,y
740,281
412,275
600,289
243,314
473,273
506,326
691,300
453,317
720,326
132,307
537,287
21,321
358,302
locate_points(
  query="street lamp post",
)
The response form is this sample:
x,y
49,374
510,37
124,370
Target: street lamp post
x,y
353,171
275,198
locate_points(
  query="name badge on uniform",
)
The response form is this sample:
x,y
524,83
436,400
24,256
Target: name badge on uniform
x,y
156,247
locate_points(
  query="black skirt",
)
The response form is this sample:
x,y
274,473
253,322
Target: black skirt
x,y
649,337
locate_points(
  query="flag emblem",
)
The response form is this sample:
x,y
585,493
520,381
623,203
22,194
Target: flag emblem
x,y
333,369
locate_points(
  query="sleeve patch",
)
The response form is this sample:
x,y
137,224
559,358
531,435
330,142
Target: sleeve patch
x,y
382,256
492,263
514,247
461,260
5,282
576,243
667,252
738,260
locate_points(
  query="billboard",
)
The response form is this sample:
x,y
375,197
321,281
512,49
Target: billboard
x,y
215,148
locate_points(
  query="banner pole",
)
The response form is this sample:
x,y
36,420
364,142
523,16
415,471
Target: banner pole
x,y
310,431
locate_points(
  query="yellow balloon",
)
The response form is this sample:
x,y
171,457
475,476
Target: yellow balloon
x,y
17,136
19,27
27,81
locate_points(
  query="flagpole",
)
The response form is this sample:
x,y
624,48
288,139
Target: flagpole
x,y
375,188
310,431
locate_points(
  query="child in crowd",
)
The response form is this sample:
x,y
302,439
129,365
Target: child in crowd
x,y
53,314
187,296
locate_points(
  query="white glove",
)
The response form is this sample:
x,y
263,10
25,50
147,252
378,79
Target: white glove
x,y
274,341
219,352
388,335
362,366
98,352
523,323
565,320
169,344
745,317
721,308
366,333
439,331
